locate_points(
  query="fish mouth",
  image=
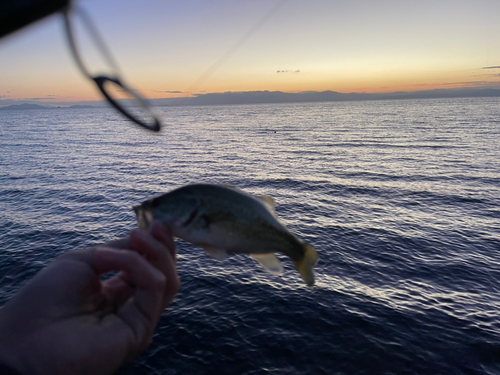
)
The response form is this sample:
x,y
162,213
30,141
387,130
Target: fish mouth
x,y
144,217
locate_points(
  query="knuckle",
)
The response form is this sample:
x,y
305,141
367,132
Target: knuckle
x,y
160,281
133,256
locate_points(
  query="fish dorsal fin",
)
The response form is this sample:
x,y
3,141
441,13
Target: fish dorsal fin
x,y
270,262
216,253
269,201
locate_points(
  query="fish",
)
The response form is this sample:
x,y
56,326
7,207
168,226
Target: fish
x,y
223,219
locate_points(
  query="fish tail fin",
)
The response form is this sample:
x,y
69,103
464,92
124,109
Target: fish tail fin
x,y
305,266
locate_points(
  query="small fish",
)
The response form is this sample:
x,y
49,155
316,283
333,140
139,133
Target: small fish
x,y
224,219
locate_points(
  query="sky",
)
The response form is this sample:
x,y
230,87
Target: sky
x,y
183,48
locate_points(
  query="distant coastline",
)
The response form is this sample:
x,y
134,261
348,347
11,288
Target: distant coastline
x,y
272,97
262,97
25,106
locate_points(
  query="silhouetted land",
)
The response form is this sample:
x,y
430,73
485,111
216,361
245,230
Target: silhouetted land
x,y
23,106
262,97
259,97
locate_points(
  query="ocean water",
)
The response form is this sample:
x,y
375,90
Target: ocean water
x,y
401,199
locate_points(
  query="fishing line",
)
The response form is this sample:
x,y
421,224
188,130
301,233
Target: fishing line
x,y
221,60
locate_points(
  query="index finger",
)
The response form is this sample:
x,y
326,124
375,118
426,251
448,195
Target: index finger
x,y
149,281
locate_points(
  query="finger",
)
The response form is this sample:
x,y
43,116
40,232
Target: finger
x,y
155,243
173,284
147,245
161,232
164,234
116,291
120,243
143,309
149,281
160,257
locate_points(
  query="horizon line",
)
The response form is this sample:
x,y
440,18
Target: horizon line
x,y
274,97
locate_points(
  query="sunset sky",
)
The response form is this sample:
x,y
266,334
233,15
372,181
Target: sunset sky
x,y
180,48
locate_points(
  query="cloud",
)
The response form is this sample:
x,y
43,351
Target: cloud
x,y
422,85
126,90
168,92
487,74
46,98
462,84
472,83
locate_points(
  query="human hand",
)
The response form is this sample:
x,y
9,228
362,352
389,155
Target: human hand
x,y
68,321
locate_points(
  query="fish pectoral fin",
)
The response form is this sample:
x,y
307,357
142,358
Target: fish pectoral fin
x,y
215,253
269,201
270,262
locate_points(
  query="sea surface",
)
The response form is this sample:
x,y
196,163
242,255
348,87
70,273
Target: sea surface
x,y
401,199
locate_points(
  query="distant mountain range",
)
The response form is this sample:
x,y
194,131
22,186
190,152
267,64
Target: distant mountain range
x,y
262,97
36,106
254,97
78,106
23,106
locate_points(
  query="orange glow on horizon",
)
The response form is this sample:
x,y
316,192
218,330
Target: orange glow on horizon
x,y
75,90
175,49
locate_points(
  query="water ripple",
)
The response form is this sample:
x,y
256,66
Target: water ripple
x,y
400,198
